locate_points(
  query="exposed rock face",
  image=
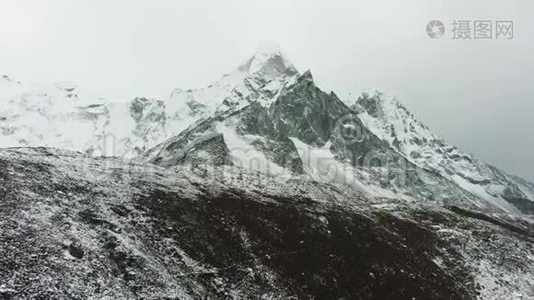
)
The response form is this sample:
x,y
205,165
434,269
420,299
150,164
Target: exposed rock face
x,y
254,123
314,117
208,149
251,133
80,227
202,142
307,113
321,120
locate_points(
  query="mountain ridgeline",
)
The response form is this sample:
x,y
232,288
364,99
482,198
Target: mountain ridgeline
x,y
268,117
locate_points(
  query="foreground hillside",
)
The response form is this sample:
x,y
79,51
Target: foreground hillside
x,y
73,226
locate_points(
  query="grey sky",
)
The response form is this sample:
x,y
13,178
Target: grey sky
x,y
478,94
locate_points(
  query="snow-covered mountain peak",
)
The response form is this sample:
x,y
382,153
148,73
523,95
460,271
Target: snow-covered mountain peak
x,y
397,125
269,64
307,76
260,78
392,122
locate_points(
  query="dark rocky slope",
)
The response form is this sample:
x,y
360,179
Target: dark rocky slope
x,y
79,227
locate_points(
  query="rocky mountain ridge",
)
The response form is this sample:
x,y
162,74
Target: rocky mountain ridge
x,y
374,145
332,142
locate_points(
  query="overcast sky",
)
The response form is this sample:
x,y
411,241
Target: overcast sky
x,y
478,94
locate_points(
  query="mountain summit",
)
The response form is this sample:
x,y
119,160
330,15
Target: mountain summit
x,y
269,64
259,78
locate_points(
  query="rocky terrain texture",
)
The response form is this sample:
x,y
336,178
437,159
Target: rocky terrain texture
x,y
74,226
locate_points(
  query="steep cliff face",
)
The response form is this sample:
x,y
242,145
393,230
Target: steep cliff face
x,y
74,226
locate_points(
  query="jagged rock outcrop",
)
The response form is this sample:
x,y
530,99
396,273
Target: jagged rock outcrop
x,y
314,117
247,137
